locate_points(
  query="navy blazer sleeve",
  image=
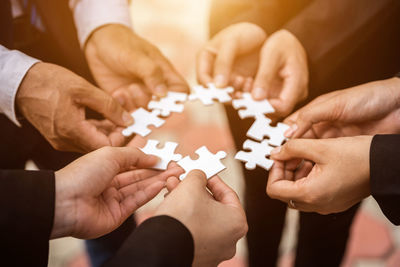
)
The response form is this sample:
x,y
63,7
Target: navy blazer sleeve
x,y
385,174
158,241
26,218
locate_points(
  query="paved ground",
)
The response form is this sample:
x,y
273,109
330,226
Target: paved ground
x,y
179,28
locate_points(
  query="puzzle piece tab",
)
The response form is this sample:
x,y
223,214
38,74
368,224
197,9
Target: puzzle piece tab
x,y
207,95
257,155
169,103
207,162
143,119
261,128
166,154
252,107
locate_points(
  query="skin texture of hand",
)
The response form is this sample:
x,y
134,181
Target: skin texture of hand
x,y
367,109
274,68
97,192
334,176
53,100
216,220
129,67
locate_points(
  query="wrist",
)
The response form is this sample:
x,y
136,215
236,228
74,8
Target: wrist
x,y
65,208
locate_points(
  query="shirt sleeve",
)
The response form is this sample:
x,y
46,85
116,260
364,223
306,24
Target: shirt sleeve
x,y
92,14
13,67
384,171
158,241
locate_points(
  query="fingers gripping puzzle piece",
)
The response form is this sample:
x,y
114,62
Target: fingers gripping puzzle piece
x,y
143,119
257,155
169,103
207,162
261,128
166,154
207,95
253,108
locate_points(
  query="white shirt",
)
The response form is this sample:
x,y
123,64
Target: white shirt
x,y
88,15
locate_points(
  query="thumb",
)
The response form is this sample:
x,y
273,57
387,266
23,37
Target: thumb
x,y
101,102
195,181
267,70
298,149
222,192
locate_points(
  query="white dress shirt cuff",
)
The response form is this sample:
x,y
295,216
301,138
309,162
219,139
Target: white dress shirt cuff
x,y
92,14
13,67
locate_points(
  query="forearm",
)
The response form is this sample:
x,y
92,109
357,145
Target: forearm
x,y
89,15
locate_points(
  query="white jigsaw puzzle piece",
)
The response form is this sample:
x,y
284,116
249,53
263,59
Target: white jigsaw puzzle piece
x,y
253,108
166,154
261,128
207,95
257,155
142,119
207,162
169,103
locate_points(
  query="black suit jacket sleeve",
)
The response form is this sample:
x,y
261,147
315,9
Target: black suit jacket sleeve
x,y
158,241
332,30
26,218
385,174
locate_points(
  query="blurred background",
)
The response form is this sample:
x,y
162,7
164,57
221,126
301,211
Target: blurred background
x,y
180,28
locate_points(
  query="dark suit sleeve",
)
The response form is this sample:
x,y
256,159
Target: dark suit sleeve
x,y
158,241
385,174
26,218
331,30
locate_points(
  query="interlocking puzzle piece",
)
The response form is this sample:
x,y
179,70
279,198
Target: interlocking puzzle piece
x,y
261,127
143,119
169,103
207,95
166,154
257,155
253,108
207,162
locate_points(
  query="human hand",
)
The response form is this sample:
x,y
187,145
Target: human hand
x,y
275,69
129,67
53,100
216,220
334,176
97,192
367,109
231,57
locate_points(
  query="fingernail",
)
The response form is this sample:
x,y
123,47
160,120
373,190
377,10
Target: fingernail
x,y
276,150
258,93
161,90
127,118
289,132
219,80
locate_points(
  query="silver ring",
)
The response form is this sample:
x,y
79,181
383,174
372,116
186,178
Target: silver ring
x,y
291,204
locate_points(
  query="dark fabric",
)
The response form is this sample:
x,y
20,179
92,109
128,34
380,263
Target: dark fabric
x,y
27,212
158,241
269,14
355,40
6,30
104,248
385,174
